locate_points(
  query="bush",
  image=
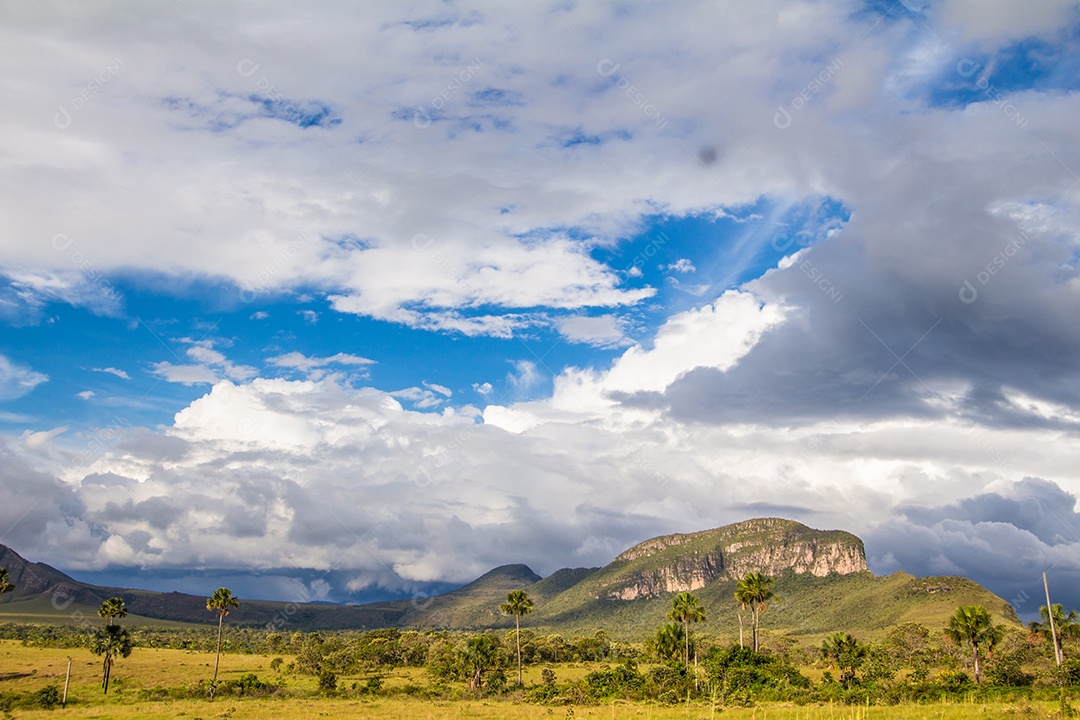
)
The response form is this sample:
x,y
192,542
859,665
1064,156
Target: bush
x,y
624,681
739,669
1007,672
47,697
1069,673
952,680
327,681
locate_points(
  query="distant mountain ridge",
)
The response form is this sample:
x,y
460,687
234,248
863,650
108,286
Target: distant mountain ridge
x,y
684,563
821,577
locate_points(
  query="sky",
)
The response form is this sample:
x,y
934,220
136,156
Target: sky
x,y
356,301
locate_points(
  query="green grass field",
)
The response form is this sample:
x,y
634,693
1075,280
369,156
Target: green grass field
x,y
28,669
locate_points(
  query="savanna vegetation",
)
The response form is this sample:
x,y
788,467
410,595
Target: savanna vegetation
x,y
1028,672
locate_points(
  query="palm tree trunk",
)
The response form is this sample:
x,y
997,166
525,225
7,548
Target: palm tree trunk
x,y
976,653
517,637
108,671
755,614
686,640
217,660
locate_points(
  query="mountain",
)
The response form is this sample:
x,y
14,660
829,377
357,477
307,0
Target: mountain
x,y
683,563
44,594
473,605
821,579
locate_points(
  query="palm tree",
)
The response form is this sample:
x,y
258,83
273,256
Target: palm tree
x,y
1066,626
517,604
845,652
754,591
112,641
669,641
686,609
220,602
112,608
481,654
5,586
973,625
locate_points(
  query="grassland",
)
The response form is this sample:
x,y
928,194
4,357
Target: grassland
x,y
423,710
27,669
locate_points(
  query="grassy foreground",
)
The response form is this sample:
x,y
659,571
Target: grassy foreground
x,y
424,710
28,669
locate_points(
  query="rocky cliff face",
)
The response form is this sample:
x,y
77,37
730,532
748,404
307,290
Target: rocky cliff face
x,y
683,563
681,575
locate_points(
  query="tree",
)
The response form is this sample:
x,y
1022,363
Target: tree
x,y
686,608
112,608
1066,626
754,591
5,585
972,625
481,654
112,641
221,602
845,653
517,604
669,642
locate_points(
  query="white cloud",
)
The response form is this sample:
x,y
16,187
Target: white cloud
x,y
17,380
483,388
314,367
113,371
310,316
524,377
441,389
39,440
431,397
682,265
210,366
85,394
259,315
599,331
184,374
87,289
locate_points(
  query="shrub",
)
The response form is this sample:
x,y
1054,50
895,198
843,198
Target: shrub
x,y
1069,673
327,681
47,697
1006,671
739,668
952,680
623,681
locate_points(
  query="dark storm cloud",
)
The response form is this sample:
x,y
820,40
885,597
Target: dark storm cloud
x,y
1002,540
900,336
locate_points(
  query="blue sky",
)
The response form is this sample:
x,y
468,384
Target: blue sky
x,y
353,305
